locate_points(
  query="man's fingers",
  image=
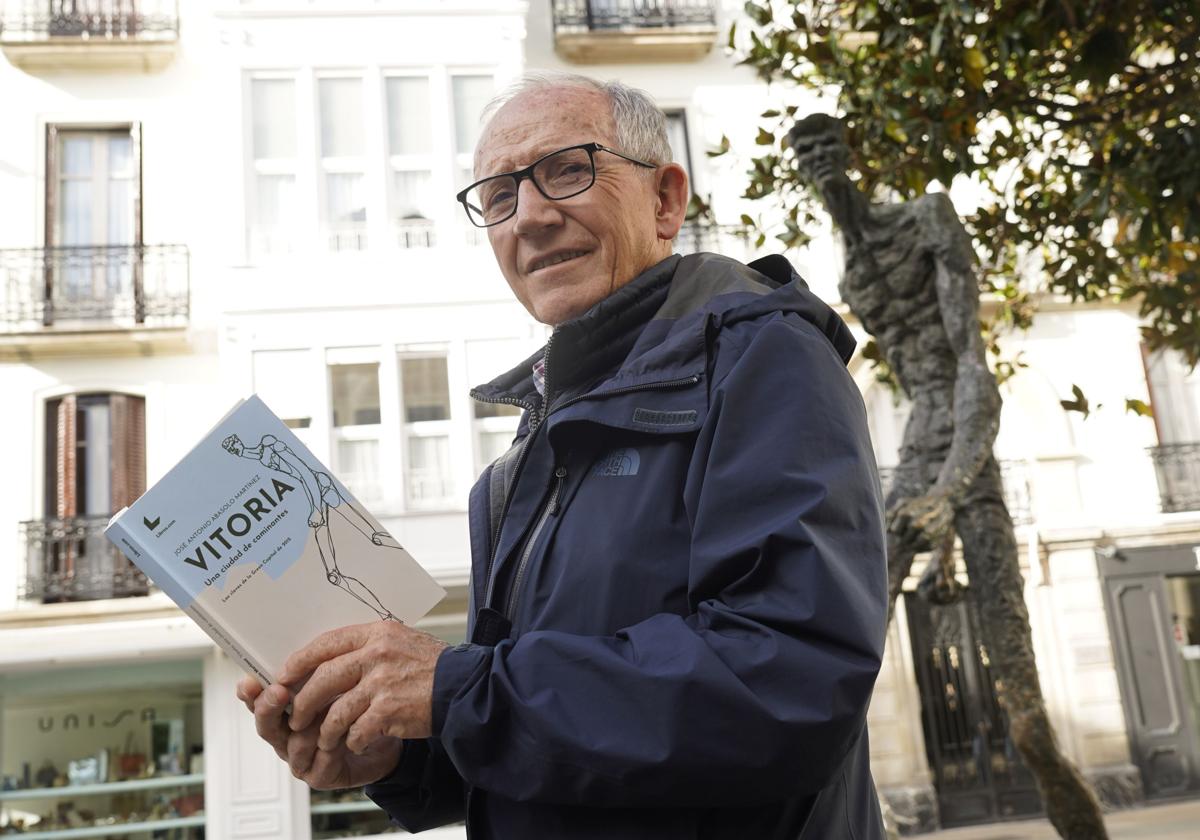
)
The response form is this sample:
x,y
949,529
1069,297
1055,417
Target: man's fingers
x,y
368,729
326,646
330,680
301,751
248,689
269,710
341,716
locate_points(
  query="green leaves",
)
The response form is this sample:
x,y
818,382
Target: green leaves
x,y
1082,116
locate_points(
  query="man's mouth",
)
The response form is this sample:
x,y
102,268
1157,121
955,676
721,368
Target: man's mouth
x,y
555,259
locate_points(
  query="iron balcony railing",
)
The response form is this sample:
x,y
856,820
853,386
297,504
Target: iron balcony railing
x,y
577,16
107,286
728,240
31,21
70,560
1178,468
1014,475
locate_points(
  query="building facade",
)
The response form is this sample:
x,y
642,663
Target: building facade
x,y
200,200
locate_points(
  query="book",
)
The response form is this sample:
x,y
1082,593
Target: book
x,y
263,547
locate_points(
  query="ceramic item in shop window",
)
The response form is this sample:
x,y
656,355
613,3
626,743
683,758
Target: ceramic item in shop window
x,y
130,764
196,760
46,775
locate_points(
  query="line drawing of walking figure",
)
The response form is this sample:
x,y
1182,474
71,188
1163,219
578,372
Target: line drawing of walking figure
x,y
323,497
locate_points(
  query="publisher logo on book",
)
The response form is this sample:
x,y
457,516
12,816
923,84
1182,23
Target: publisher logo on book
x,y
154,523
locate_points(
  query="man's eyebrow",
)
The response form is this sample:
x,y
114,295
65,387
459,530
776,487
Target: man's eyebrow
x,y
505,164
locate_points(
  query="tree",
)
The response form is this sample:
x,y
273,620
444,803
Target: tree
x,y
1079,117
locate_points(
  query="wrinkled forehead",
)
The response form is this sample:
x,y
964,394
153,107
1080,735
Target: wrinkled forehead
x,y
540,121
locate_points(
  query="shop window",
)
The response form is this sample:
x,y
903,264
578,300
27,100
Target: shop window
x,y
107,751
354,387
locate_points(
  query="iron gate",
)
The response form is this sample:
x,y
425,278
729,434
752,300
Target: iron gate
x,y
978,774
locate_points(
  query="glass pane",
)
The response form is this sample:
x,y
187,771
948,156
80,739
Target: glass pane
x,y
677,137
120,212
412,195
120,156
429,469
76,157
426,389
471,94
355,394
278,380
273,107
483,409
276,200
341,117
492,445
408,116
96,473
358,467
345,198
75,213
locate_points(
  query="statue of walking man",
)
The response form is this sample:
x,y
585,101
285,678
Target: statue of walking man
x,y
910,279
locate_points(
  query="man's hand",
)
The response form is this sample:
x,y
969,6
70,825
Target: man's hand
x,y
321,769
921,523
368,682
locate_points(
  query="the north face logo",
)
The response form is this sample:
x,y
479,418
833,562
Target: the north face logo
x,y
618,462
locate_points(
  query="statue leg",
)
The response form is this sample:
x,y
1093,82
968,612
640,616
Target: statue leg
x,y
990,552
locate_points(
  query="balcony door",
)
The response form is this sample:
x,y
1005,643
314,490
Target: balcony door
x,y
93,269
95,465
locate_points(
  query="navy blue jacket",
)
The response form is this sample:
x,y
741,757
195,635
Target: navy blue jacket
x,y
677,628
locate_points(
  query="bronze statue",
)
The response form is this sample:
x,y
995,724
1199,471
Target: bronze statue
x,y
909,278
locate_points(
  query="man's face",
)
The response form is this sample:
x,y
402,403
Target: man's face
x,y
608,232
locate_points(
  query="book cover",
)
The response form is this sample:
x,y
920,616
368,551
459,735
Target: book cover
x,y
263,547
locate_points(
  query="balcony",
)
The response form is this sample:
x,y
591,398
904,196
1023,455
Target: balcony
x,y
727,240
53,35
1014,475
611,31
70,560
51,296
1178,468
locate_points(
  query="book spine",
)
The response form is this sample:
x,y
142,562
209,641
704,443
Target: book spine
x,y
227,643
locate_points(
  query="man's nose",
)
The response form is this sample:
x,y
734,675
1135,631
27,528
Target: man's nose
x,y
535,212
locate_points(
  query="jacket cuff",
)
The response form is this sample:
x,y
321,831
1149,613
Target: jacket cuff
x,y
457,667
408,770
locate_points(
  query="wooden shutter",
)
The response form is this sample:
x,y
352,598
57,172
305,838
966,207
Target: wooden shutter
x,y
128,451
65,466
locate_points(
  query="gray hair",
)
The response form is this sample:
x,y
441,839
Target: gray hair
x,y
641,124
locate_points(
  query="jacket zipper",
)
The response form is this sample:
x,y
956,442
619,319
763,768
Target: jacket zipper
x,y
552,506
549,510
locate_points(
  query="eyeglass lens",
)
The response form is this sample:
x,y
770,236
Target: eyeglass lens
x,y
560,175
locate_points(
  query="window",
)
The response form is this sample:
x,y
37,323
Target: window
x,y
494,425
273,121
343,162
91,191
425,400
470,95
677,135
95,464
279,377
1175,393
354,396
410,159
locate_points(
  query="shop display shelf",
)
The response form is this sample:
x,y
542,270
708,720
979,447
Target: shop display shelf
x,y
104,787
115,828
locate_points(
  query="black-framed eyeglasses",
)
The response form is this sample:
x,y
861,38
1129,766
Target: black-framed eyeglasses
x,y
558,175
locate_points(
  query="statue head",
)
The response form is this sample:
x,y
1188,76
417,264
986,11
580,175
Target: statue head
x,y
233,444
819,142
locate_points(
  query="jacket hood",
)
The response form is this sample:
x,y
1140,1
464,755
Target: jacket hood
x,y
659,325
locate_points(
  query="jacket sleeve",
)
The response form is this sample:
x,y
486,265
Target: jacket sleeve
x,y
761,691
424,791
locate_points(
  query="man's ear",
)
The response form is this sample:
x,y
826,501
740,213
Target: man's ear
x,y
672,194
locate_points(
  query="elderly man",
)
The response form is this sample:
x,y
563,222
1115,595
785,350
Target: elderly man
x,y
678,594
